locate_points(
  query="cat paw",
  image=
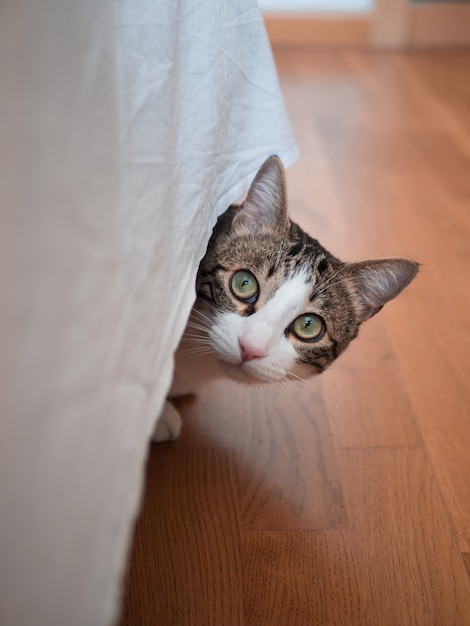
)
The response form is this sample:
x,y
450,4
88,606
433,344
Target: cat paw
x,y
168,425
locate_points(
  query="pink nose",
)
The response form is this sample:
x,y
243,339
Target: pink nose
x,y
249,351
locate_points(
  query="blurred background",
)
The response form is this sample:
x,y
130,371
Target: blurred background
x,y
105,213
369,23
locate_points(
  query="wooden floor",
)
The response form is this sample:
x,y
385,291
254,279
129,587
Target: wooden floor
x,y
344,500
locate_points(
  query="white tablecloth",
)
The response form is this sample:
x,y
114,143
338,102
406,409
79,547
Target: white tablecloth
x,y
126,127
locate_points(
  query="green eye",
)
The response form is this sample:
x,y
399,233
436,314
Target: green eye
x,y
308,327
244,286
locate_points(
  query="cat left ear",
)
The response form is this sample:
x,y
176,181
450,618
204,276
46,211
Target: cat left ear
x,y
265,206
378,281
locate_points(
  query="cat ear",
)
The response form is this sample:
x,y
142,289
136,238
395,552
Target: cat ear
x,y
265,206
379,280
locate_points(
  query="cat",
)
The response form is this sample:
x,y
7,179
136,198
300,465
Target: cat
x,y
272,303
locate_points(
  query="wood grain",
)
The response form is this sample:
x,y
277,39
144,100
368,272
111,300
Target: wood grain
x,y
285,481
292,578
411,569
344,500
381,561
186,552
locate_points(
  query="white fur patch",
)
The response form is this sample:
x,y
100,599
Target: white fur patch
x,y
265,331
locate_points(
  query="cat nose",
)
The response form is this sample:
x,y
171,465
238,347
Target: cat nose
x,y
250,351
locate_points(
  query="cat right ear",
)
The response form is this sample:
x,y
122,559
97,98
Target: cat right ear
x,y
265,206
378,281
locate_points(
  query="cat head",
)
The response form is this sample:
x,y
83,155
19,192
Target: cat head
x,y
279,305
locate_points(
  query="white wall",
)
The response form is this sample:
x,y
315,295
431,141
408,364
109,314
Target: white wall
x,y
319,6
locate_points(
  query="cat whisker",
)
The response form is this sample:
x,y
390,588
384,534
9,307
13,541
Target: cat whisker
x,y
200,352
193,352
194,349
296,390
195,345
202,319
327,284
351,279
285,378
294,378
279,255
203,316
198,326
195,339
195,332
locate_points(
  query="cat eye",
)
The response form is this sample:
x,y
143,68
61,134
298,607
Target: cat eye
x,y
244,286
309,327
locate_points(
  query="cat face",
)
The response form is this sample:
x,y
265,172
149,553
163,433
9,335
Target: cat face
x,y
279,305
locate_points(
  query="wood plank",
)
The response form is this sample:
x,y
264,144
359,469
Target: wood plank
x,y
285,459
186,550
313,30
439,83
427,202
397,564
391,25
290,477
381,415
411,569
466,558
301,577
442,406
